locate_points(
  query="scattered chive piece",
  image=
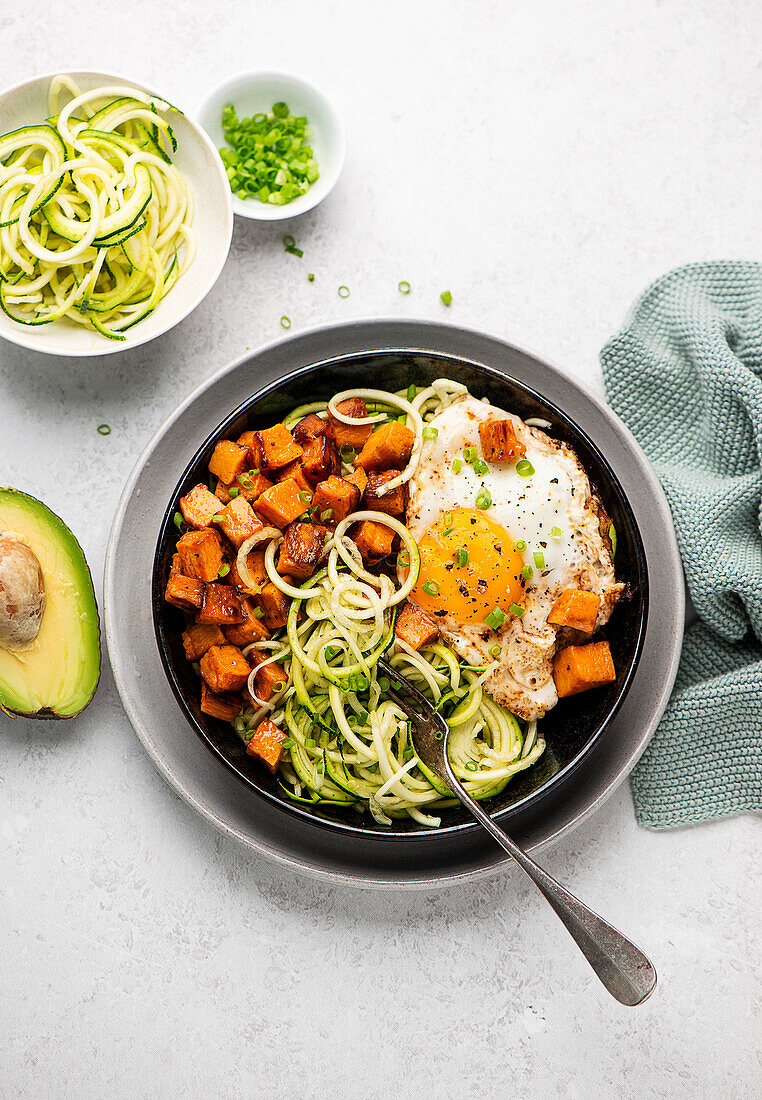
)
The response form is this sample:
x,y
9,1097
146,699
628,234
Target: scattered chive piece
x,y
457,465
555,532
104,429
278,685
461,559
290,246
449,531
517,610
524,468
344,291
431,588
402,418
288,743
480,467
430,433
219,518
257,612
612,536
178,521
285,321
527,572
268,157
520,546
223,570
483,498
311,277
326,514
411,392
469,453
348,453
403,287
403,559
494,651
305,497
233,491
447,517
495,618
331,651
384,683
471,766
539,559
446,297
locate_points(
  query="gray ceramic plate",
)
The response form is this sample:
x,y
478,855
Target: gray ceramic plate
x,y
218,796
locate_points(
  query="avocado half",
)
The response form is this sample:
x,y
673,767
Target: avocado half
x,y
56,675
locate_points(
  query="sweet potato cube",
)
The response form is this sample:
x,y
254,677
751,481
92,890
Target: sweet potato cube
x,y
266,744
320,459
226,707
282,504
359,478
201,553
295,472
255,562
251,440
499,441
300,550
582,667
388,448
199,506
184,592
228,461
252,629
249,485
392,503
349,435
269,679
221,606
373,540
415,627
336,496
198,640
238,522
278,447
311,427
576,609
224,669
274,604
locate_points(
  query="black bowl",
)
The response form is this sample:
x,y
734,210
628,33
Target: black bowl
x,y
571,729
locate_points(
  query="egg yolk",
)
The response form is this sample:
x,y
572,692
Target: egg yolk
x,y
468,567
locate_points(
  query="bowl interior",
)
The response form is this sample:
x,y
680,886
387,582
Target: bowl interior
x,y
571,729
198,162
251,93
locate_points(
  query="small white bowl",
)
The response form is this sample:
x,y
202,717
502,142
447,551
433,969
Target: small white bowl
x,y
251,93
199,163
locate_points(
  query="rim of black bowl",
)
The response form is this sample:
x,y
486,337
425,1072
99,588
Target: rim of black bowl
x,y
308,815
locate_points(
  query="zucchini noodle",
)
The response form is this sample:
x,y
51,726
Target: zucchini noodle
x,y
95,221
347,743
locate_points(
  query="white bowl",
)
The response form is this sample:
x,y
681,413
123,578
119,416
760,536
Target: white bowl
x,y
251,93
199,163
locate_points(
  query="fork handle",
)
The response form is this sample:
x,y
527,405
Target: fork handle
x,y
626,972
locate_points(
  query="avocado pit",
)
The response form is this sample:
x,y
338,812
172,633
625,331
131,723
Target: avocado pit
x,y
22,594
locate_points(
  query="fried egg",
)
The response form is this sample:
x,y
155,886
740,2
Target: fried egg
x,y
498,548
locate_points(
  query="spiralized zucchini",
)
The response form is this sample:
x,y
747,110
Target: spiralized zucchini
x,y
95,221
347,743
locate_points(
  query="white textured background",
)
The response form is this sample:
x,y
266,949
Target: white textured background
x,y
543,161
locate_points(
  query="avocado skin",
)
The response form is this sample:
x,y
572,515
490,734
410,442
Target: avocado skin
x,y
85,584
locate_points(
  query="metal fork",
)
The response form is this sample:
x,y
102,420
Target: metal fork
x,y
626,972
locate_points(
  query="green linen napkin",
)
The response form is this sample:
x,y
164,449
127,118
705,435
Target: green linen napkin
x,y
685,375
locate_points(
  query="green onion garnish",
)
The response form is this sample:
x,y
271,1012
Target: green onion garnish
x,y
461,558
517,610
290,246
539,559
469,453
483,498
305,497
446,297
311,277
494,651
520,546
331,651
404,288
223,570
344,292
612,536
403,559
288,743
285,321
555,532
233,491
278,686
257,613
524,468
527,572
430,433
104,429
384,683
326,514
447,517
495,618
480,467
178,521
348,453
269,158
471,766
431,588
411,392
457,465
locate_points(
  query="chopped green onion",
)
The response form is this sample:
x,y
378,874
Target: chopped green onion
x,y
469,453
446,297
223,570
431,588
495,618
233,491
483,498
219,518
524,468
311,277
520,546
290,246
326,514
555,532
331,651
348,453
612,536
480,467
344,292
447,517
471,766
404,288
269,158
305,497
539,559
288,743
494,651
411,392
257,613
430,433
285,321
527,572
517,610
178,521
384,683
402,419
278,685
104,429
457,465
461,559
403,559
